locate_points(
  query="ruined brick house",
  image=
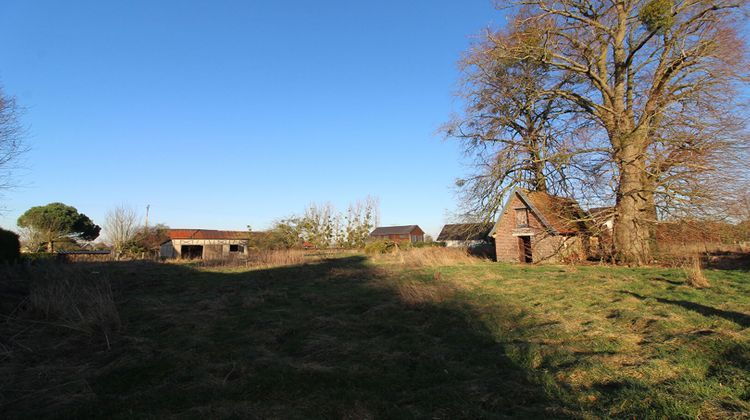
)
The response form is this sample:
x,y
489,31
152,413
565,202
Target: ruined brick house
x,y
538,227
408,233
204,244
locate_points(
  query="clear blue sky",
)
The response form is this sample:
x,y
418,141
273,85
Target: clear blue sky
x,y
221,114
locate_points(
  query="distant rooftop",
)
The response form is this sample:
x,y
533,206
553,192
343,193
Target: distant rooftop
x,y
207,234
393,230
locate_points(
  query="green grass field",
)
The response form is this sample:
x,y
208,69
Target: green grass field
x,y
353,338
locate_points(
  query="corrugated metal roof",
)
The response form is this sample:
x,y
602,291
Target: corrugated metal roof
x,y
393,230
207,234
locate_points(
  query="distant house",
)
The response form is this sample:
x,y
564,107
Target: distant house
x,y
538,227
411,233
466,235
204,244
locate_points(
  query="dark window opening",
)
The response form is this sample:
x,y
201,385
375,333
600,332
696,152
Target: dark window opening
x,y
234,248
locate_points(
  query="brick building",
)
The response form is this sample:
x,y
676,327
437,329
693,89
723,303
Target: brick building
x,y
538,227
411,233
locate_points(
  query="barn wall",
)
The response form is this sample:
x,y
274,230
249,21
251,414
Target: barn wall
x,y
419,233
167,250
212,248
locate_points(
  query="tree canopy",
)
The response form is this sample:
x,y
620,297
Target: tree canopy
x,y
56,221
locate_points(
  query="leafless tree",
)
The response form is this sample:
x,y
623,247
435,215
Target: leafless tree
x,y
515,132
121,225
11,139
641,69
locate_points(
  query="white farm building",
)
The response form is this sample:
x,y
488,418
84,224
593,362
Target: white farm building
x,y
204,244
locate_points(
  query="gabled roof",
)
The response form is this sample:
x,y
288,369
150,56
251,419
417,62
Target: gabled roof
x,y
207,234
465,232
393,230
561,215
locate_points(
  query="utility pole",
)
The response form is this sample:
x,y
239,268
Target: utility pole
x,y
148,206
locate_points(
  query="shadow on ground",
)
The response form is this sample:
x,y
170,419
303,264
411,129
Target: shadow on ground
x,y
737,317
322,340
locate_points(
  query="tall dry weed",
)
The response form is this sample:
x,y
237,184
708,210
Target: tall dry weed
x,y
270,258
73,296
694,273
261,258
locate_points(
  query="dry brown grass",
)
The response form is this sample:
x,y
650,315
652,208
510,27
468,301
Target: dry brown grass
x,y
429,257
75,295
275,258
259,259
694,273
415,293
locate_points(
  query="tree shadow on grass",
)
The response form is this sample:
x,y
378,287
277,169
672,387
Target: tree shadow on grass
x,y
320,340
736,317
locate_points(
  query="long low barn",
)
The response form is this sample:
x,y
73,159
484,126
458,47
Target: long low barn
x,y
466,235
204,244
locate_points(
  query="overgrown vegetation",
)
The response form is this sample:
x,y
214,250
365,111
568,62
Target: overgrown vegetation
x,y
322,226
385,336
46,225
10,247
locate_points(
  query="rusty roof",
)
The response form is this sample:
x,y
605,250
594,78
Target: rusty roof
x,y
561,214
207,234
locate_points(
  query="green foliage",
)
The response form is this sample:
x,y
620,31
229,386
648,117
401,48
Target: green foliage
x,y
285,234
10,247
657,16
56,221
380,247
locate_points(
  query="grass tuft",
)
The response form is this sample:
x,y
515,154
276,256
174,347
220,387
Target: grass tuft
x,y
694,274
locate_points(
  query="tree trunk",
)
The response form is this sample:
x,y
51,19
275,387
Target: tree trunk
x,y
50,246
631,231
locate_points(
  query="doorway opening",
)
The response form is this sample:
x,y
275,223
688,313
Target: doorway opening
x,y
524,249
191,252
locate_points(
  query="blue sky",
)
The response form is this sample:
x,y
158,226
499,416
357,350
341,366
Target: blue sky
x,y
221,114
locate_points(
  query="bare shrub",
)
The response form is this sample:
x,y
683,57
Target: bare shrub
x,y
694,273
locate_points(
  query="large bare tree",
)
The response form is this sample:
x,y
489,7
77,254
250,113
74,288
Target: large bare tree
x,y
516,133
120,226
11,139
639,67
